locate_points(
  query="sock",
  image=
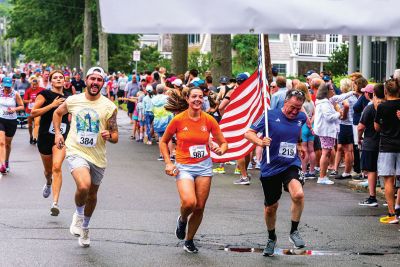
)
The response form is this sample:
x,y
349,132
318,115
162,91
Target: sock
x,y
294,227
271,234
86,221
6,163
372,197
80,210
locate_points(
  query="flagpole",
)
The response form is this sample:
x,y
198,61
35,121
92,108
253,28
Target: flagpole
x,y
265,93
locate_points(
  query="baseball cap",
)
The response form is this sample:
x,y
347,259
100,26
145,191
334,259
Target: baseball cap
x,y
326,78
198,82
7,82
224,79
242,77
308,73
369,88
313,76
149,88
177,82
97,70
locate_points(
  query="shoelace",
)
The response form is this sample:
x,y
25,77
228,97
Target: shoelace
x,y
270,244
296,235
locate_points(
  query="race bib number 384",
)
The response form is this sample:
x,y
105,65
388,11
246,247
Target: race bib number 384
x,y
287,150
198,152
87,139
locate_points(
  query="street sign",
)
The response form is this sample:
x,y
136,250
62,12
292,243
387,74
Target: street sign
x,y
136,55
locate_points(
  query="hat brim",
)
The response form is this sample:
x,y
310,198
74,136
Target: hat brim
x,y
7,84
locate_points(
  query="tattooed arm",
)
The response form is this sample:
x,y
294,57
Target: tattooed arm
x,y
111,134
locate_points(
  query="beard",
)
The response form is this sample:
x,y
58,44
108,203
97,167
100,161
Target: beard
x,y
89,90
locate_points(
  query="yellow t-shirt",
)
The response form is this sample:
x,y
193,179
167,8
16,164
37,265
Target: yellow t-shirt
x,y
89,118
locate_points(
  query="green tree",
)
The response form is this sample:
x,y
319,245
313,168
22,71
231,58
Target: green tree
x,y
246,48
199,61
338,61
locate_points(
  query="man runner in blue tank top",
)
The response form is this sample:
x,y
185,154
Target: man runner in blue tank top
x,y
285,165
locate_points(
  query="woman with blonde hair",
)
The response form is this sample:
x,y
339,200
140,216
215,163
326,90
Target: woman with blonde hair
x,y
307,137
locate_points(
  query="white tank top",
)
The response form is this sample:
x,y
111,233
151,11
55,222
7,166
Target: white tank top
x,y
7,102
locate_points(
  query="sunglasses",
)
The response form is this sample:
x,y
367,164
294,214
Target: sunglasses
x,y
294,93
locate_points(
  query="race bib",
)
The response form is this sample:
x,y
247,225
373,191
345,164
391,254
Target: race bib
x,y
87,139
287,150
198,152
63,128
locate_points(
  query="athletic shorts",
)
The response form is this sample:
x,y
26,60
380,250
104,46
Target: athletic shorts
x,y
120,93
327,142
388,164
9,127
306,135
130,106
345,136
135,118
272,185
160,134
192,171
96,173
142,123
369,161
317,143
45,143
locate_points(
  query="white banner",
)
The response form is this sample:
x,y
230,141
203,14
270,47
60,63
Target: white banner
x,y
348,17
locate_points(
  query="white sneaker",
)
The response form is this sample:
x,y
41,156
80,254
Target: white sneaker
x,y
325,180
46,190
84,240
76,226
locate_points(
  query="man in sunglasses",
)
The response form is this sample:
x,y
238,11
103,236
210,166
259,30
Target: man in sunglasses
x,y
284,168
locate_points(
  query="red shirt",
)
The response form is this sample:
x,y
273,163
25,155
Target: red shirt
x,y
30,94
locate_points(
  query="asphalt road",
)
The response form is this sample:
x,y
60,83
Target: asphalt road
x,y
137,208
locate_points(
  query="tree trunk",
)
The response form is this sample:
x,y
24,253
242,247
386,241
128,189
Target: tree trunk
x,y
73,60
87,36
103,42
267,59
179,53
221,60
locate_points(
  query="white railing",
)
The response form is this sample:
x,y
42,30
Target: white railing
x,y
314,48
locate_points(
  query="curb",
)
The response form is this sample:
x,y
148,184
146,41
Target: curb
x,y
355,185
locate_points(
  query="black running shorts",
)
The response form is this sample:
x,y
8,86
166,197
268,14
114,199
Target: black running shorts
x,y
272,185
8,126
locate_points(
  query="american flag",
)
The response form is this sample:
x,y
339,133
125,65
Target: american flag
x,y
246,106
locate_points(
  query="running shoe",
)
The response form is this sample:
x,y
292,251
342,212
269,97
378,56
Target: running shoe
x,y
76,226
363,183
242,181
172,158
34,141
370,202
296,240
358,177
237,171
333,173
270,248
180,230
325,180
55,209
342,177
258,165
252,166
190,247
219,170
3,169
160,158
7,166
31,140
84,240
309,176
46,190
389,219
317,169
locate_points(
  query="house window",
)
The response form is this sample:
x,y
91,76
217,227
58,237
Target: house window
x,y
274,37
194,39
281,68
334,38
